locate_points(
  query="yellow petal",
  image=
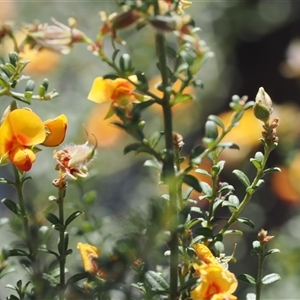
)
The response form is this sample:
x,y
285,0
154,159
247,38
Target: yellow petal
x,y
56,129
101,90
205,254
26,127
89,254
23,158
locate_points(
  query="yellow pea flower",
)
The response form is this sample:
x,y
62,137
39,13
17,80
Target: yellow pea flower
x,y
216,282
20,131
119,91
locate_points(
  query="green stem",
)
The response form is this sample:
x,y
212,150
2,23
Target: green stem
x,y
61,245
19,187
168,167
261,260
249,192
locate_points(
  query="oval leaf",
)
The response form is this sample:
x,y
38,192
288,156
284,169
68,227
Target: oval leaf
x,y
192,181
156,281
246,221
246,278
52,218
242,177
270,278
72,217
12,206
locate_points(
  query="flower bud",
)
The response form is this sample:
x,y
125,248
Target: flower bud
x,y
263,105
125,19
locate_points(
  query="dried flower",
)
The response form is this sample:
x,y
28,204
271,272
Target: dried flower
x,y
58,37
73,160
263,236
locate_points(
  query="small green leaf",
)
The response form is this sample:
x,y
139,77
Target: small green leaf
x,y
181,98
246,221
17,252
132,147
242,177
114,55
271,170
202,171
246,278
155,138
72,217
271,251
256,163
156,281
12,206
152,163
206,188
270,278
206,232
233,231
259,156
53,219
77,277
228,145
219,247
125,63
234,200
137,108
192,181
211,130
195,154
217,120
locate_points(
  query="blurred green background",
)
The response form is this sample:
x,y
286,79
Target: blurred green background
x,y
256,43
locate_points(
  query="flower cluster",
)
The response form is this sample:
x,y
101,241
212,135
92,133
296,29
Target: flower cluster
x,y
20,132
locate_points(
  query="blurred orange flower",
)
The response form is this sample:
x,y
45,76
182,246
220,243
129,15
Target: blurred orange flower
x,y
119,91
20,131
216,283
89,256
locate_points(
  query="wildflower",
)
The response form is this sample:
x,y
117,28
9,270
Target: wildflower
x,y
89,255
58,37
73,160
20,131
120,91
216,283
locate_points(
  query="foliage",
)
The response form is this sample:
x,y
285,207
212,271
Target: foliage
x,y
176,250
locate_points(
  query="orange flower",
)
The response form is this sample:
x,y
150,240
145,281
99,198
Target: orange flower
x,y
205,254
20,131
89,255
216,283
120,91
